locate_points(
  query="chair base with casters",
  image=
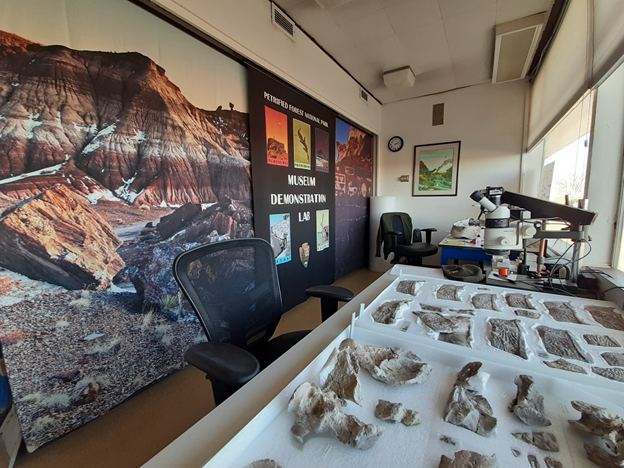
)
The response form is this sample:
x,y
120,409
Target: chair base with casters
x,y
234,290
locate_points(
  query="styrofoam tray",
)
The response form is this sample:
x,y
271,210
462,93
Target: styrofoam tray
x,y
408,324
268,434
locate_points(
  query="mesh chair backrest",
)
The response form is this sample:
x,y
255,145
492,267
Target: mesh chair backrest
x,y
234,289
397,225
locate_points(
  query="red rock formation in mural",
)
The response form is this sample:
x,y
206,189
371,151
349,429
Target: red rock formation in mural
x,y
113,121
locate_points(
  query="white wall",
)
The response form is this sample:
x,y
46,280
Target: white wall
x,y
603,189
488,119
245,26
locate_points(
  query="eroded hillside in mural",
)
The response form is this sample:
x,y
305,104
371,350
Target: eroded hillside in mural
x,y
354,176
107,172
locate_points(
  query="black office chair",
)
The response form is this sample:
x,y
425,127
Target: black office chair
x,y
233,287
396,235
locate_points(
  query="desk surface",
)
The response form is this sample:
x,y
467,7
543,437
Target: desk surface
x,y
204,439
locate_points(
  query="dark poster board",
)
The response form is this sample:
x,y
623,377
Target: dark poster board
x,y
292,138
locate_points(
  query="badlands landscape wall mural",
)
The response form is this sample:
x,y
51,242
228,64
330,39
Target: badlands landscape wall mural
x,y
107,172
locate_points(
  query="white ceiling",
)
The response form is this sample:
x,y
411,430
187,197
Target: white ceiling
x,y
448,43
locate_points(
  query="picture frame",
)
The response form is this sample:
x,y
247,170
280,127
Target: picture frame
x,y
432,163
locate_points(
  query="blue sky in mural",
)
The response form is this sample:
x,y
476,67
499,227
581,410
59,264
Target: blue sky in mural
x,y
342,133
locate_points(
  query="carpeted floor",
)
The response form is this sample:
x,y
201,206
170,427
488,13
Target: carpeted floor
x,y
136,430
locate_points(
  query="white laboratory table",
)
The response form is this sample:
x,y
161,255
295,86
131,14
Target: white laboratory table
x,y
204,439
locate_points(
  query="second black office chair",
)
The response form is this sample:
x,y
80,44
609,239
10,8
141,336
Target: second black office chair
x,y
396,235
234,289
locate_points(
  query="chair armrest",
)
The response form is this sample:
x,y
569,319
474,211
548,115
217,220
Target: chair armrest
x,y
223,362
394,236
417,236
330,292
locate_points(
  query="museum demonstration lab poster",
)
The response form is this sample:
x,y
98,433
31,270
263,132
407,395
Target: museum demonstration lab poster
x,y
120,177
288,198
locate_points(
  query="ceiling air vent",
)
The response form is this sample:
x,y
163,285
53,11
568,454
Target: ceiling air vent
x,y
363,95
515,46
282,22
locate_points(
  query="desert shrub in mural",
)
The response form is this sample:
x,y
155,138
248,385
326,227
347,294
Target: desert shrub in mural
x,y
107,172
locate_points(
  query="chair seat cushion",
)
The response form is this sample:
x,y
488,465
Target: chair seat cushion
x,y
223,362
419,249
277,346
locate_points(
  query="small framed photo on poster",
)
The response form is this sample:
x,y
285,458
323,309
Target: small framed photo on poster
x,y
435,169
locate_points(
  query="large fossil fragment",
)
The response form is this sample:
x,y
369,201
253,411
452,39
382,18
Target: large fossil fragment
x,y
613,373
393,365
598,421
560,343
518,300
566,366
449,292
527,313
453,329
507,335
319,411
430,308
265,463
408,287
614,359
529,404
395,412
387,312
544,440
561,311
343,380
552,463
468,459
606,316
466,407
601,340
485,301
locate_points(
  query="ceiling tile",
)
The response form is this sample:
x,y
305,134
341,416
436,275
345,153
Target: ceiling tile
x,y
509,10
369,29
387,3
351,59
451,8
334,39
386,54
426,47
286,4
311,17
354,10
436,81
405,16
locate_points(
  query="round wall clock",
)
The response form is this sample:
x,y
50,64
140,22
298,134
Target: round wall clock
x,y
395,144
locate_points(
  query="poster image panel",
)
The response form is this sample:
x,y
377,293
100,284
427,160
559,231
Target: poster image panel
x,y
301,138
322,230
281,238
321,145
276,137
435,169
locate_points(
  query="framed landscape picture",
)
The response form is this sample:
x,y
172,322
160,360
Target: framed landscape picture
x,y
435,169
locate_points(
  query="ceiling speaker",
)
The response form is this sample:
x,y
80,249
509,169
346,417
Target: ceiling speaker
x,y
400,78
331,3
515,46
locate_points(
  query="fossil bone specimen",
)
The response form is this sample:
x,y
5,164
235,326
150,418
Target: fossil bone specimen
x,y
485,301
544,440
430,308
606,316
392,365
521,301
601,340
453,329
448,439
560,343
463,311
468,459
599,421
266,463
529,404
466,407
527,313
516,453
552,463
320,411
507,335
343,380
449,292
613,373
533,461
614,359
395,412
388,311
561,311
408,287
566,366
